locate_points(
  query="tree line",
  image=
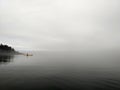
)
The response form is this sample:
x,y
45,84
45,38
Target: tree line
x,y
6,48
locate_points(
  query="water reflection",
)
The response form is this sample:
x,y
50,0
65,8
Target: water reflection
x,y
4,59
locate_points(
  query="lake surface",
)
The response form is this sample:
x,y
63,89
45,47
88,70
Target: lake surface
x,y
61,71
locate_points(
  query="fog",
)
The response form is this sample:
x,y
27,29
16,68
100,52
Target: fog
x,y
60,24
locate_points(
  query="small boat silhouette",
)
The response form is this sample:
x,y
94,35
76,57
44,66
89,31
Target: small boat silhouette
x,y
28,54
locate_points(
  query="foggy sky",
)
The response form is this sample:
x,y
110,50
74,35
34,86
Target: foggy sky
x,y
60,24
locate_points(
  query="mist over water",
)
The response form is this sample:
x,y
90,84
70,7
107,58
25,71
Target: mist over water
x,y
62,71
78,43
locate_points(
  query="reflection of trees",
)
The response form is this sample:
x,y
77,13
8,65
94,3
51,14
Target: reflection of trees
x,y
6,59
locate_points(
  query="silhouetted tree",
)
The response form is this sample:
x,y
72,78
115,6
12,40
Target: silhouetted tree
x,y
6,48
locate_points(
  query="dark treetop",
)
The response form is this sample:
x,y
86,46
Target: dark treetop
x,y
5,49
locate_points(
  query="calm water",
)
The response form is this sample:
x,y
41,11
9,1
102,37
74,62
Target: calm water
x,y
61,71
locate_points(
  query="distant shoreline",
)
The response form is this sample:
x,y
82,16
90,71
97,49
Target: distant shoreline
x,y
8,50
